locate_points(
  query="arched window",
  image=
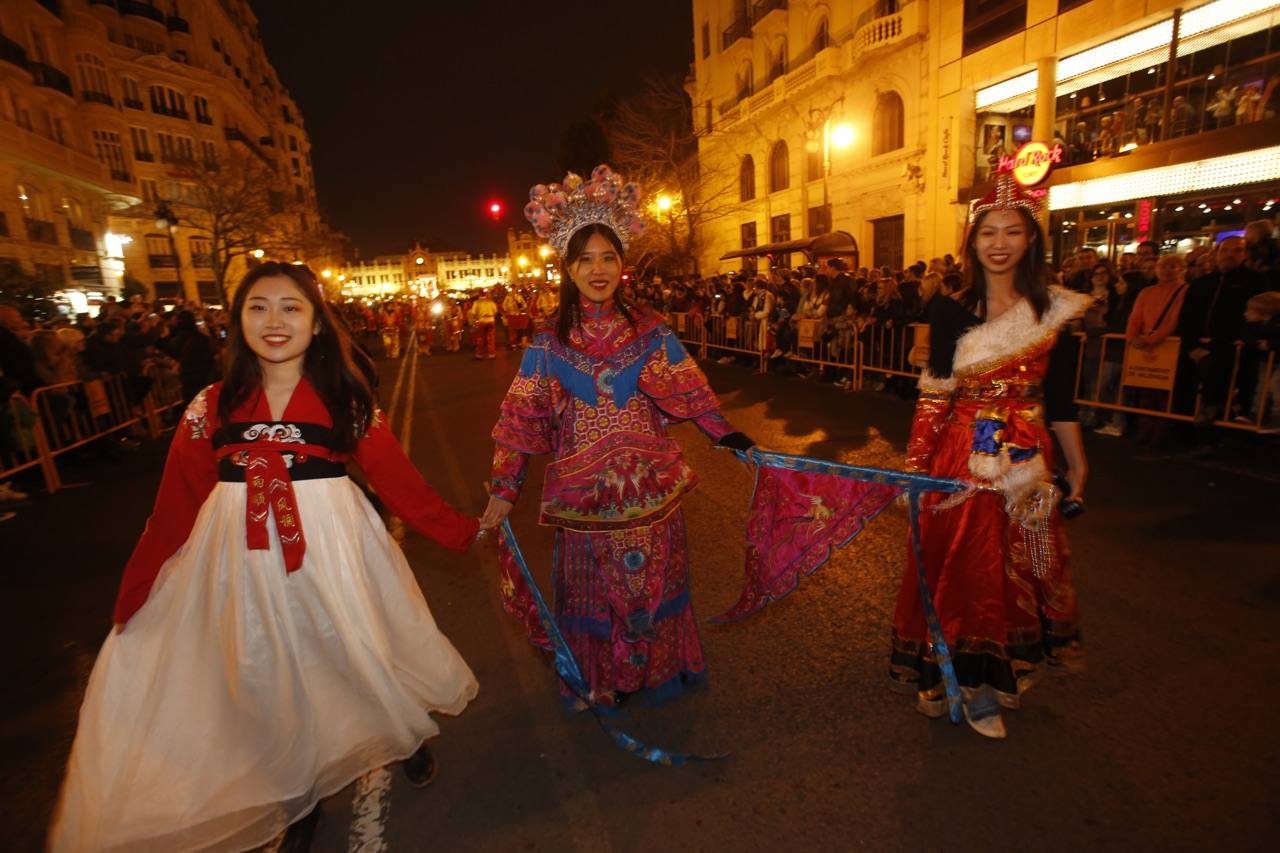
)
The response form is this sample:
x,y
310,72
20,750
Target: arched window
x,y
886,126
821,36
747,179
778,61
746,81
779,167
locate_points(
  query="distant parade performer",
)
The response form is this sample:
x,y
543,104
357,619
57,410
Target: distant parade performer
x,y
391,330
546,303
455,321
597,389
484,318
1000,374
271,643
515,313
423,321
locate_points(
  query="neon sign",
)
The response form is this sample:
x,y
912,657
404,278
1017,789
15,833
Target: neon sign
x,y
1031,163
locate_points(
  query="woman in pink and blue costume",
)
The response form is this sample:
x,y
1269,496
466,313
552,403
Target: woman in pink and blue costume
x,y
598,388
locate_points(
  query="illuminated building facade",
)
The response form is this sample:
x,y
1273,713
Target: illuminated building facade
x,y
462,271
812,117
101,105
885,118
1168,115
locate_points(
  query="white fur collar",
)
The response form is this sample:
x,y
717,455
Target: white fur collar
x,y
1015,331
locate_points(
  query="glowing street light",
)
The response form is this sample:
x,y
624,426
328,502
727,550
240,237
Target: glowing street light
x,y
522,262
664,202
326,273
842,135
258,253
544,251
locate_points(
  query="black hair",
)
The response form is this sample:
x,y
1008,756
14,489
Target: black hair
x,y
1030,279
343,384
570,311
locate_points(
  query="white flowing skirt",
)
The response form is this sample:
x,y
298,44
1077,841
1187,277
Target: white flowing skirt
x,y
240,695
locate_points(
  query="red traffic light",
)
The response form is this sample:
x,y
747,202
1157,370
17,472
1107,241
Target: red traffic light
x,y
495,209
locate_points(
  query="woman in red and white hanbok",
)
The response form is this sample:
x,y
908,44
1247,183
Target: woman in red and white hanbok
x,y
272,644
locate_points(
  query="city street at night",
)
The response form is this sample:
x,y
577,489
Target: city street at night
x,y
1165,742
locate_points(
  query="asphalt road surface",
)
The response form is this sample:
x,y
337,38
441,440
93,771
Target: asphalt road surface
x,y
1166,742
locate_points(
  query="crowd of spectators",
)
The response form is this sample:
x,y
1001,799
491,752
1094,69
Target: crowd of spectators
x,y
1210,298
128,341
1214,300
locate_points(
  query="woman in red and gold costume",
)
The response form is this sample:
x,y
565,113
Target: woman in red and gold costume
x,y
598,389
1000,377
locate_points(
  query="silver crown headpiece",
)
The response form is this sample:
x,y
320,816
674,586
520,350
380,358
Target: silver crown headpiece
x,y
558,211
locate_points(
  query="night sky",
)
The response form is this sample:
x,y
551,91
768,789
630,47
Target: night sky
x,y
420,111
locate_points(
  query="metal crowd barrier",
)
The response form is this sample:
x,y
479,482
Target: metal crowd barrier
x,y
1106,379
60,418
23,443
887,351
1159,370
728,334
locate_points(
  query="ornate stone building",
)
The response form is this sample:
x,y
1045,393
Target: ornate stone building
x,y
102,102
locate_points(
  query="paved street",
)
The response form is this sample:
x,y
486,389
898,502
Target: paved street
x,y
1166,742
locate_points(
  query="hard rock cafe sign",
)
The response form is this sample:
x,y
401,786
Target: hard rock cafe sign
x,y
1031,163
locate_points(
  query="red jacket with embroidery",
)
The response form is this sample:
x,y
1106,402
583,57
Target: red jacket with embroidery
x,y
191,472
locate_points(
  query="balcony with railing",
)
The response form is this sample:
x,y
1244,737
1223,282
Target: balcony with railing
x,y
144,156
762,9
824,60
162,261
202,260
83,239
176,24
98,98
121,176
13,53
739,29
133,103
40,231
51,78
898,21
141,10
202,119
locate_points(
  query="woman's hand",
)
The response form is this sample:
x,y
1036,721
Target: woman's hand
x,y
495,513
1075,479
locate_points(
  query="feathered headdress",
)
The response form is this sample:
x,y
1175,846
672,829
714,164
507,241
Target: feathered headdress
x,y
557,211
1007,195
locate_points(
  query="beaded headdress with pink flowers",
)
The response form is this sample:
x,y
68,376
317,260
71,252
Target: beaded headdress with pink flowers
x,y
557,211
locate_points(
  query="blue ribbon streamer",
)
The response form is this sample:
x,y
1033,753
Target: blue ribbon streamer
x,y
915,485
567,667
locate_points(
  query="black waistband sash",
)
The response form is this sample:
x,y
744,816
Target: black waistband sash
x,y
304,448
300,466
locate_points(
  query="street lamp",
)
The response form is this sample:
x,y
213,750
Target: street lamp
x,y
842,135
664,202
167,221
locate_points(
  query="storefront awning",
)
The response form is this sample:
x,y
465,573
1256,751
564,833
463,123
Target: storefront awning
x,y
832,243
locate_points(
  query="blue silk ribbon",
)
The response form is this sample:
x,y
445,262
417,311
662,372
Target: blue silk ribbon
x,y
571,673
915,485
